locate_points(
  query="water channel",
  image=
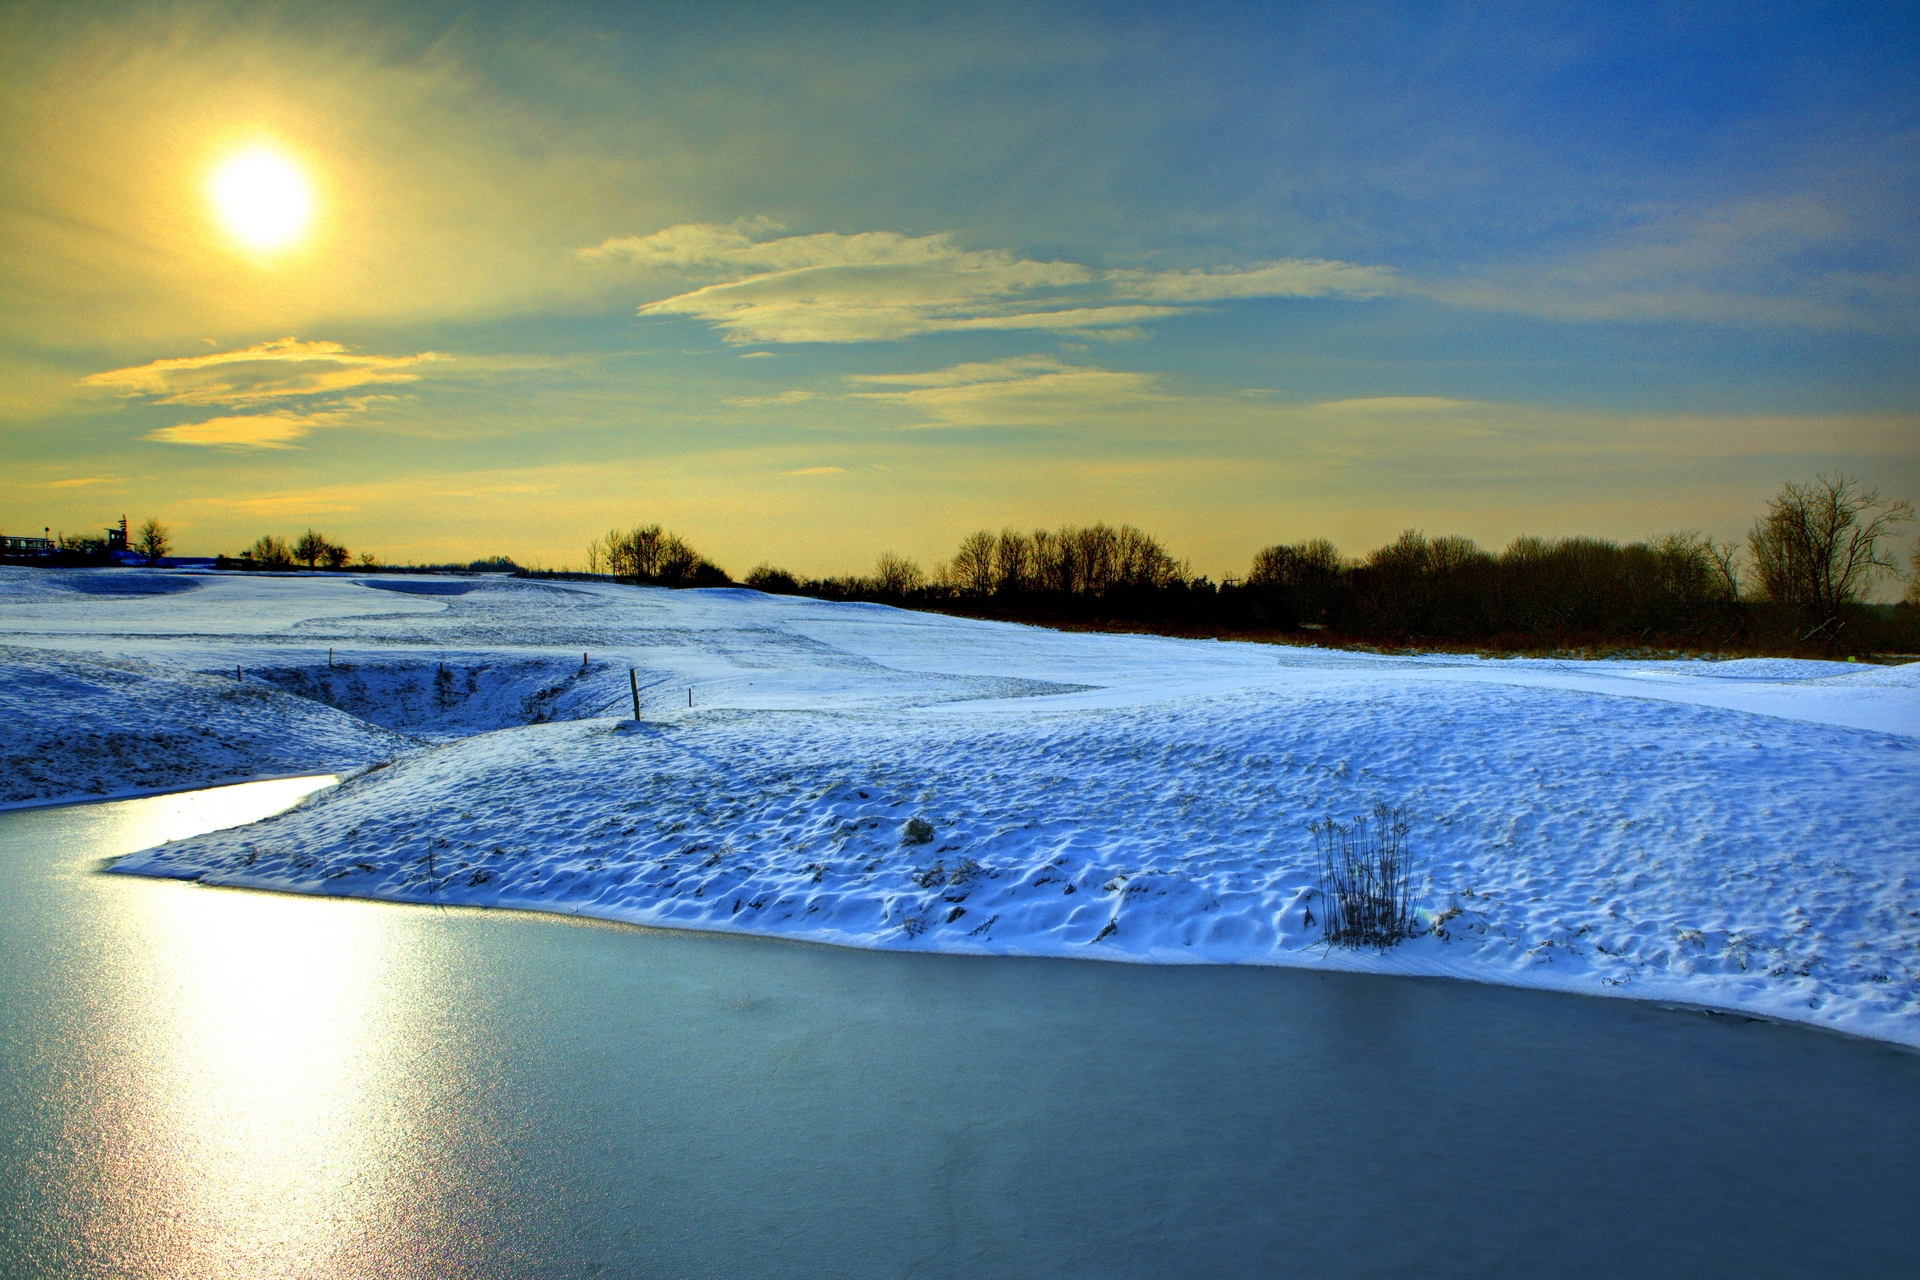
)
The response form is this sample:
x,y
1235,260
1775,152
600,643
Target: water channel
x,y
215,1083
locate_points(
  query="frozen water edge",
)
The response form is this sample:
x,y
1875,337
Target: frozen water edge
x,y
1605,828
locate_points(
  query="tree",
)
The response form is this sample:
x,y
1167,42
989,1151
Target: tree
x,y
335,556
311,548
153,541
651,554
895,575
267,553
971,571
1818,550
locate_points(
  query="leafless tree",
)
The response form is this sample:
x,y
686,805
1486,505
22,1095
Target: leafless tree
x,y
153,541
971,571
895,575
310,549
268,552
1818,547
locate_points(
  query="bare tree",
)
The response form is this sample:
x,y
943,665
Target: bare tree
x,y
972,569
895,575
1725,557
153,541
268,553
311,548
1012,561
1818,549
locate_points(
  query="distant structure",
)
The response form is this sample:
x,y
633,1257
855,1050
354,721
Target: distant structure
x,y
17,545
14,546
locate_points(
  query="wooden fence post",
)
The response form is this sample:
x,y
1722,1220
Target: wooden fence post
x,y
633,682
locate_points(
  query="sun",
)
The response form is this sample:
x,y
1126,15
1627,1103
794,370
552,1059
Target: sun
x,y
262,198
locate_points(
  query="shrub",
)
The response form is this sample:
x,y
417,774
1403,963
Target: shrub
x,y
1366,879
764,577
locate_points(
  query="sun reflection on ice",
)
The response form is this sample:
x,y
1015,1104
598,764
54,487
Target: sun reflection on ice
x,y
276,1090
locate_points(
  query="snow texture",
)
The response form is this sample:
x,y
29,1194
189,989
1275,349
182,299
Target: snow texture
x,y
1736,835
83,727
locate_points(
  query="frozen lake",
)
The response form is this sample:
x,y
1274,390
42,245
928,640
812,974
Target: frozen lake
x,y
217,1083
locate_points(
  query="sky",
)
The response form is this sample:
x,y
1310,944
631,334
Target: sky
x,y
807,284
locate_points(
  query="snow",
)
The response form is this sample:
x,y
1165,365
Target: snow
x,y
90,727
1736,835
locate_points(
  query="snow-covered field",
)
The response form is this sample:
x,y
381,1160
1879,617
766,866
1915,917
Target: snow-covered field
x,y
1737,835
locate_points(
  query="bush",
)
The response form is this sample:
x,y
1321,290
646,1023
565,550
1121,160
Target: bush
x,y
1366,879
778,582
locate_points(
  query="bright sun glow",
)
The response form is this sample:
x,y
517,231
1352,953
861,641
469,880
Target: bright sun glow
x,y
263,200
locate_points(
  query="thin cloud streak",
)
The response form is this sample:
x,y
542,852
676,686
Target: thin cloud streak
x,y
285,368
246,431
877,286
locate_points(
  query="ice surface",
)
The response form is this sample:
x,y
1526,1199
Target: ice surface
x,y
1729,834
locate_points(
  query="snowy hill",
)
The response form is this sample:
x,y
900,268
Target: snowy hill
x,y
1735,835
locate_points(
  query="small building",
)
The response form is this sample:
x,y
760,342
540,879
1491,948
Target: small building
x,y
19,545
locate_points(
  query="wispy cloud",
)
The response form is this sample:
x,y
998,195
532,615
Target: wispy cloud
x,y
286,368
79,482
305,383
1799,260
1032,390
243,431
816,471
881,285
784,397
1393,404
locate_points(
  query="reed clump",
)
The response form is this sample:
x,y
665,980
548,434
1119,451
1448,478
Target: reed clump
x,y
1366,879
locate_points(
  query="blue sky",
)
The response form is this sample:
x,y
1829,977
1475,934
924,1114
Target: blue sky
x,y
809,284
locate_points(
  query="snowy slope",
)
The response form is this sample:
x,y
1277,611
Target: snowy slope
x,y
1733,834
86,726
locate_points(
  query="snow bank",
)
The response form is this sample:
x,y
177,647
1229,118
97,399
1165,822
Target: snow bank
x,y
1735,835
83,727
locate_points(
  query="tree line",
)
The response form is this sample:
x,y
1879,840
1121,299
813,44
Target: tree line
x,y
1799,581
311,550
